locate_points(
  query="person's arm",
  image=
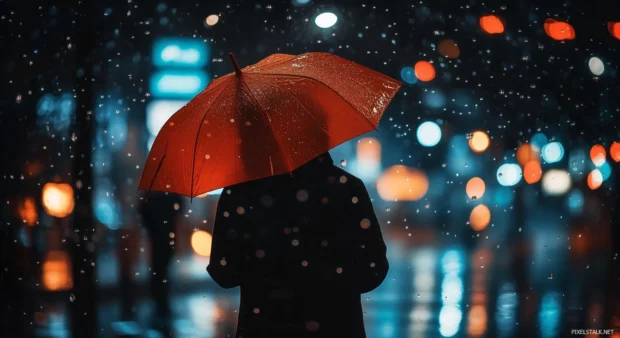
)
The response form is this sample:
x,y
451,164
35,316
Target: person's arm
x,y
225,262
370,264
356,254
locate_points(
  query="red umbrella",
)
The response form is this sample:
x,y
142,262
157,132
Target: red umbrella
x,y
266,119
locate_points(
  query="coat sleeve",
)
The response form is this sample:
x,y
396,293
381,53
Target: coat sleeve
x,y
226,259
357,260
369,259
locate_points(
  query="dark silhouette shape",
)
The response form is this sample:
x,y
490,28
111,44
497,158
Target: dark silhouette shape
x,y
303,247
158,213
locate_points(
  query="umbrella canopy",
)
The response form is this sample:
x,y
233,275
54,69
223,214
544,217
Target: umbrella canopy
x,y
266,119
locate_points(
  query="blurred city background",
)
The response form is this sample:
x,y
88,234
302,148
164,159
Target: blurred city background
x,y
494,172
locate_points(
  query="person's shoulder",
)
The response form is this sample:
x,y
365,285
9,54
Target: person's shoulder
x,y
346,176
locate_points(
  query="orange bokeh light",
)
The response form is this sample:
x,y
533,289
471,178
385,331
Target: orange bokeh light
x,y
57,274
598,155
526,153
595,179
449,49
492,24
28,211
559,30
402,183
475,188
424,71
58,199
479,141
369,151
201,243
532,172
480,217
614,29
614,151
477,321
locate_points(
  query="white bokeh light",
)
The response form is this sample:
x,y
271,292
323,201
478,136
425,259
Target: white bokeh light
x,y
596,66
429,134
556,182
326,20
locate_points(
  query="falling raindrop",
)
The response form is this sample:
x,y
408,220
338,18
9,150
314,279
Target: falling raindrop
x,y
18,98
71,297
343,163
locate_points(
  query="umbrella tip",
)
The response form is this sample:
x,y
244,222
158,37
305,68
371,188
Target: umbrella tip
x,y
234,62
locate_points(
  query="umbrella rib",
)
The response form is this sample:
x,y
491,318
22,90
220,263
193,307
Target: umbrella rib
x,y
306,109
191,189
268,121
330,88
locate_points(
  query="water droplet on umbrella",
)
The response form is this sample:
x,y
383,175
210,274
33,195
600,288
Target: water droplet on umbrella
x,y
343,163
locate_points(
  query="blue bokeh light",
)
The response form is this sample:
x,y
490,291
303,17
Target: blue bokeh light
x,y
539,140
509,174
429,134
575,201
605,170
434,99
180,52
407,74
553,152
182,84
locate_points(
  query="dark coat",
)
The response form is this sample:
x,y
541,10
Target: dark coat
x,y
303,247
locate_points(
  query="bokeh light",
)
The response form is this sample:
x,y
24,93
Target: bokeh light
x,y
509,174
212,20
575,201
368,163
526,153
56,274
475,188
614,151
480,217
402,183
58,199
326,20
479,141
553,152
605,170
27,210
201,243
538,141
424,71
449,49
556,182
407,74
492,24
614,29
429,134
595,179
532,172
597,67
559,30
598,155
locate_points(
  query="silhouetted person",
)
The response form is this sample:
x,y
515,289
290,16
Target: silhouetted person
x,y
303,247
158,213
